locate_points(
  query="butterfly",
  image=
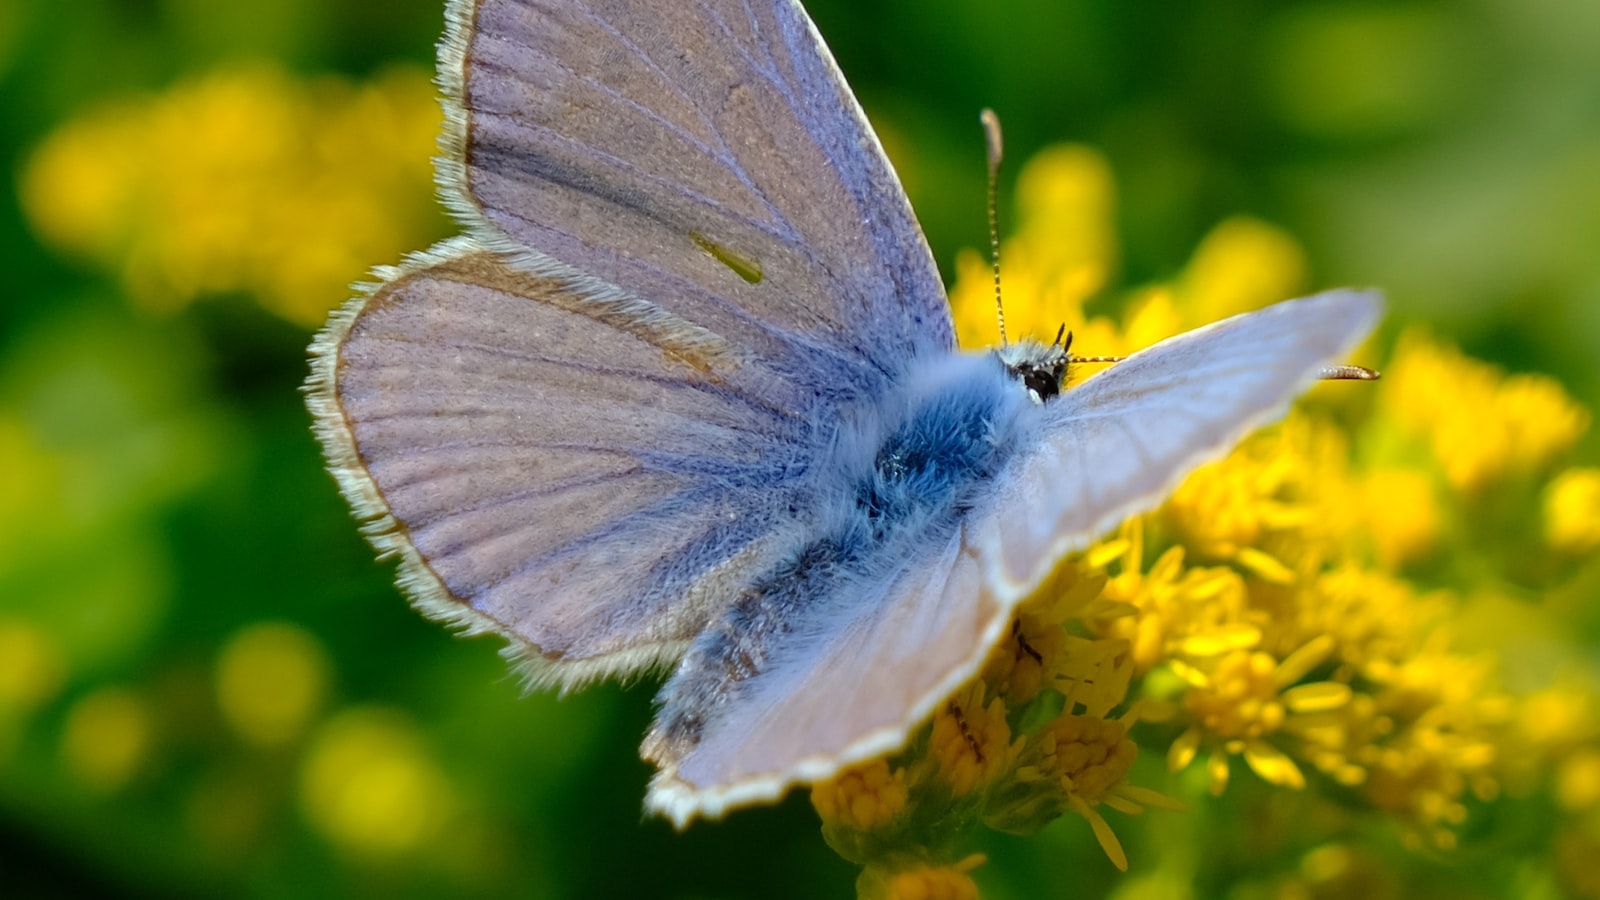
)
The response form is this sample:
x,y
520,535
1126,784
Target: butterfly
x,y
685,396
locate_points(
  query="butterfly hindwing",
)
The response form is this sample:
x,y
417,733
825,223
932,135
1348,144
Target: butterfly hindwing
x,y
595,508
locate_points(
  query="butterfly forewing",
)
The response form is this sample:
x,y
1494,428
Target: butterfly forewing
x,y
703,157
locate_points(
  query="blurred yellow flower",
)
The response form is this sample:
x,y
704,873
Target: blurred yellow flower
x,y
1478,423
244,180
923,882
1062,253
1243,264
1398,508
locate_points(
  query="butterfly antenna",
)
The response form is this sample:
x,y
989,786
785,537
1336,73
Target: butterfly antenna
x,y
991,134
1347,373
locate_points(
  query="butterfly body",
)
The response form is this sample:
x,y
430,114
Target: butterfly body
x,y
685,396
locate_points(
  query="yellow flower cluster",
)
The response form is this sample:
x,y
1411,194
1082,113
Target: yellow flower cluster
x,y
245,180
1296,605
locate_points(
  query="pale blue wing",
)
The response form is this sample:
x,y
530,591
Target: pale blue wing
x,y
1119,443
703,158
589,483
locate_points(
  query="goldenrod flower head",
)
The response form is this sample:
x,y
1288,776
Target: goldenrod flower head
x,y
1018,669
1201,609
922,882
861,798
1273,492
971,741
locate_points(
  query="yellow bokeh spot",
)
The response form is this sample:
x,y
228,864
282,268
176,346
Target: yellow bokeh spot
x,y
1572,511
368,784
31,480
32,666
1577,785
1243,264
271,679
106,738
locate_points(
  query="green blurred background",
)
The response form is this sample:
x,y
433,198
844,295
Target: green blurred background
x,y
207,686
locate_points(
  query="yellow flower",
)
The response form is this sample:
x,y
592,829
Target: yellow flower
x,y
1077,763
1241,699
861,798
923,882
971,742
1400,513
1280,502
243,180
1017,669
1201,608
1376,620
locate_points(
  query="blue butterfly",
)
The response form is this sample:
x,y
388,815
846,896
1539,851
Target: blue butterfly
x,y
686,396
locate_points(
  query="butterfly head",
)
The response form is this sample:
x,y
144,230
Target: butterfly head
x,y
1039,368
